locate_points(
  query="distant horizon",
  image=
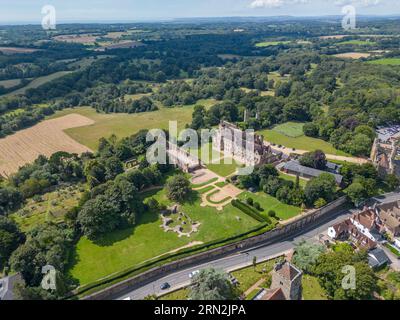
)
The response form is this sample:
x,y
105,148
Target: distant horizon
x,y
114,11
194,18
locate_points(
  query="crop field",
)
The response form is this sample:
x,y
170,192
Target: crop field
x,y
353,55
44,138
125,125
14,50
387,61
357,42
87,39
10,83
270,43
39,81
126,248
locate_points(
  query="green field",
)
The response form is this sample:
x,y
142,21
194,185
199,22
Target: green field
x,y
386,61
39,81
123,125
270,43
126,248
300,142
290,129
10,83
357,42
283,211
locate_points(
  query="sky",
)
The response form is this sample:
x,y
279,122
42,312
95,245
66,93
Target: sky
x,y
137,10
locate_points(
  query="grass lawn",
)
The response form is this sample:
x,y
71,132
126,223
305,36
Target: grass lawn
x,y
357,42
38,82
125,248
270,43
290,129
123,125
181,294
386,61
224,169
312,289
285,176
300,143
268,203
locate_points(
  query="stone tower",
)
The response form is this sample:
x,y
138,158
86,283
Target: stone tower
x,y
288,278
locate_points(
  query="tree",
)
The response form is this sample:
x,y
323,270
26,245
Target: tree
x,y
392,181
211,284
306,255
254,262
178,188
10,238
47,244
357,193
329,268
99,216
10,199
323,187
311,130
316,160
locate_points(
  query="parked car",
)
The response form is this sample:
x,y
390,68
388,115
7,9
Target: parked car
x,y
192,274
165,286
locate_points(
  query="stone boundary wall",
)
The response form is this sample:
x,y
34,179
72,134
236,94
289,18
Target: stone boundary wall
x,y
203,257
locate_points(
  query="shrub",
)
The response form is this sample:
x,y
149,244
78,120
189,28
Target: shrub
x,y
257,206
250,211
272,213
320,203
249,201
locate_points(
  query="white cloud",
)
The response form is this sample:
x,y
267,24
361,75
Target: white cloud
x,y
362,3
279,3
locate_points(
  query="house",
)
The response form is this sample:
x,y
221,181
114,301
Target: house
x,y
243,147
377,258
368,223
389,214
294,167
340,231
385,153
347,230
286,283
397,242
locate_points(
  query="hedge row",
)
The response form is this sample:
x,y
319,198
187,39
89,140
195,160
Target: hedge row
x,y
250,211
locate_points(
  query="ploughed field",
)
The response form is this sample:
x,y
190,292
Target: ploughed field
x,y
44,138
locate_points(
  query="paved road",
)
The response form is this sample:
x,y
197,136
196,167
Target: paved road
x,y
180,278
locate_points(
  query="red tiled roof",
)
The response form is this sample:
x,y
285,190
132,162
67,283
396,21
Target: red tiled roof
x,y
288,271
274,295
366,218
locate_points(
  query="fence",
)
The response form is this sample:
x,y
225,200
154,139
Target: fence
x,y
265,238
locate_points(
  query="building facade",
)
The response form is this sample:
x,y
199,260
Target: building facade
x,y
248,149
